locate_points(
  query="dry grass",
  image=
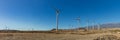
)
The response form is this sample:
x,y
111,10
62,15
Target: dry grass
x,y
107,37
71,35
46,36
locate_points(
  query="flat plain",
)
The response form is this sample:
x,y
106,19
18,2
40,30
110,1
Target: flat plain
x,y
55,36
46,36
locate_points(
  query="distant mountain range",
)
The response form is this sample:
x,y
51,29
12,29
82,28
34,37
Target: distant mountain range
x,y
107,25
111,25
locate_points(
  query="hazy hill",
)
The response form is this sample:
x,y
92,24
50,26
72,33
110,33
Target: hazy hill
x,y
107,25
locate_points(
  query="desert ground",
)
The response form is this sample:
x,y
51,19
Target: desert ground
x,y
46,36
54,36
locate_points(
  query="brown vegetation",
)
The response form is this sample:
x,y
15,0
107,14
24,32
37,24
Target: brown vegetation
x,y
60,35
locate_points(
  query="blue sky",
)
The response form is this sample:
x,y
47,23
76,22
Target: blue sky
x,y
40,15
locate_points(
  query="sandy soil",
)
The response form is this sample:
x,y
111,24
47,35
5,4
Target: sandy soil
x,y
50,36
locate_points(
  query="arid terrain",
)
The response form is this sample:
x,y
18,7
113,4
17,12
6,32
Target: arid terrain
x,y
45,36
56,36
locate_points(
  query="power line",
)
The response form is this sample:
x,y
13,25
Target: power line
x,y
78,20
6,28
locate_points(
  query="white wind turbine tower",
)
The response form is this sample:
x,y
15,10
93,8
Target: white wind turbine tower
x,y
32,29
87,28
98,26
93,27
57,17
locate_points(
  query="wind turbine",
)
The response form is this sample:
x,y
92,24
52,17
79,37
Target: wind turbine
x,y
57,17
87,28
98,26
32,29
93,26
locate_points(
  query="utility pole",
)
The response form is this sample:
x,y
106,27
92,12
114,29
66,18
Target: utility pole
x,y
71,27
6,28
78,20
